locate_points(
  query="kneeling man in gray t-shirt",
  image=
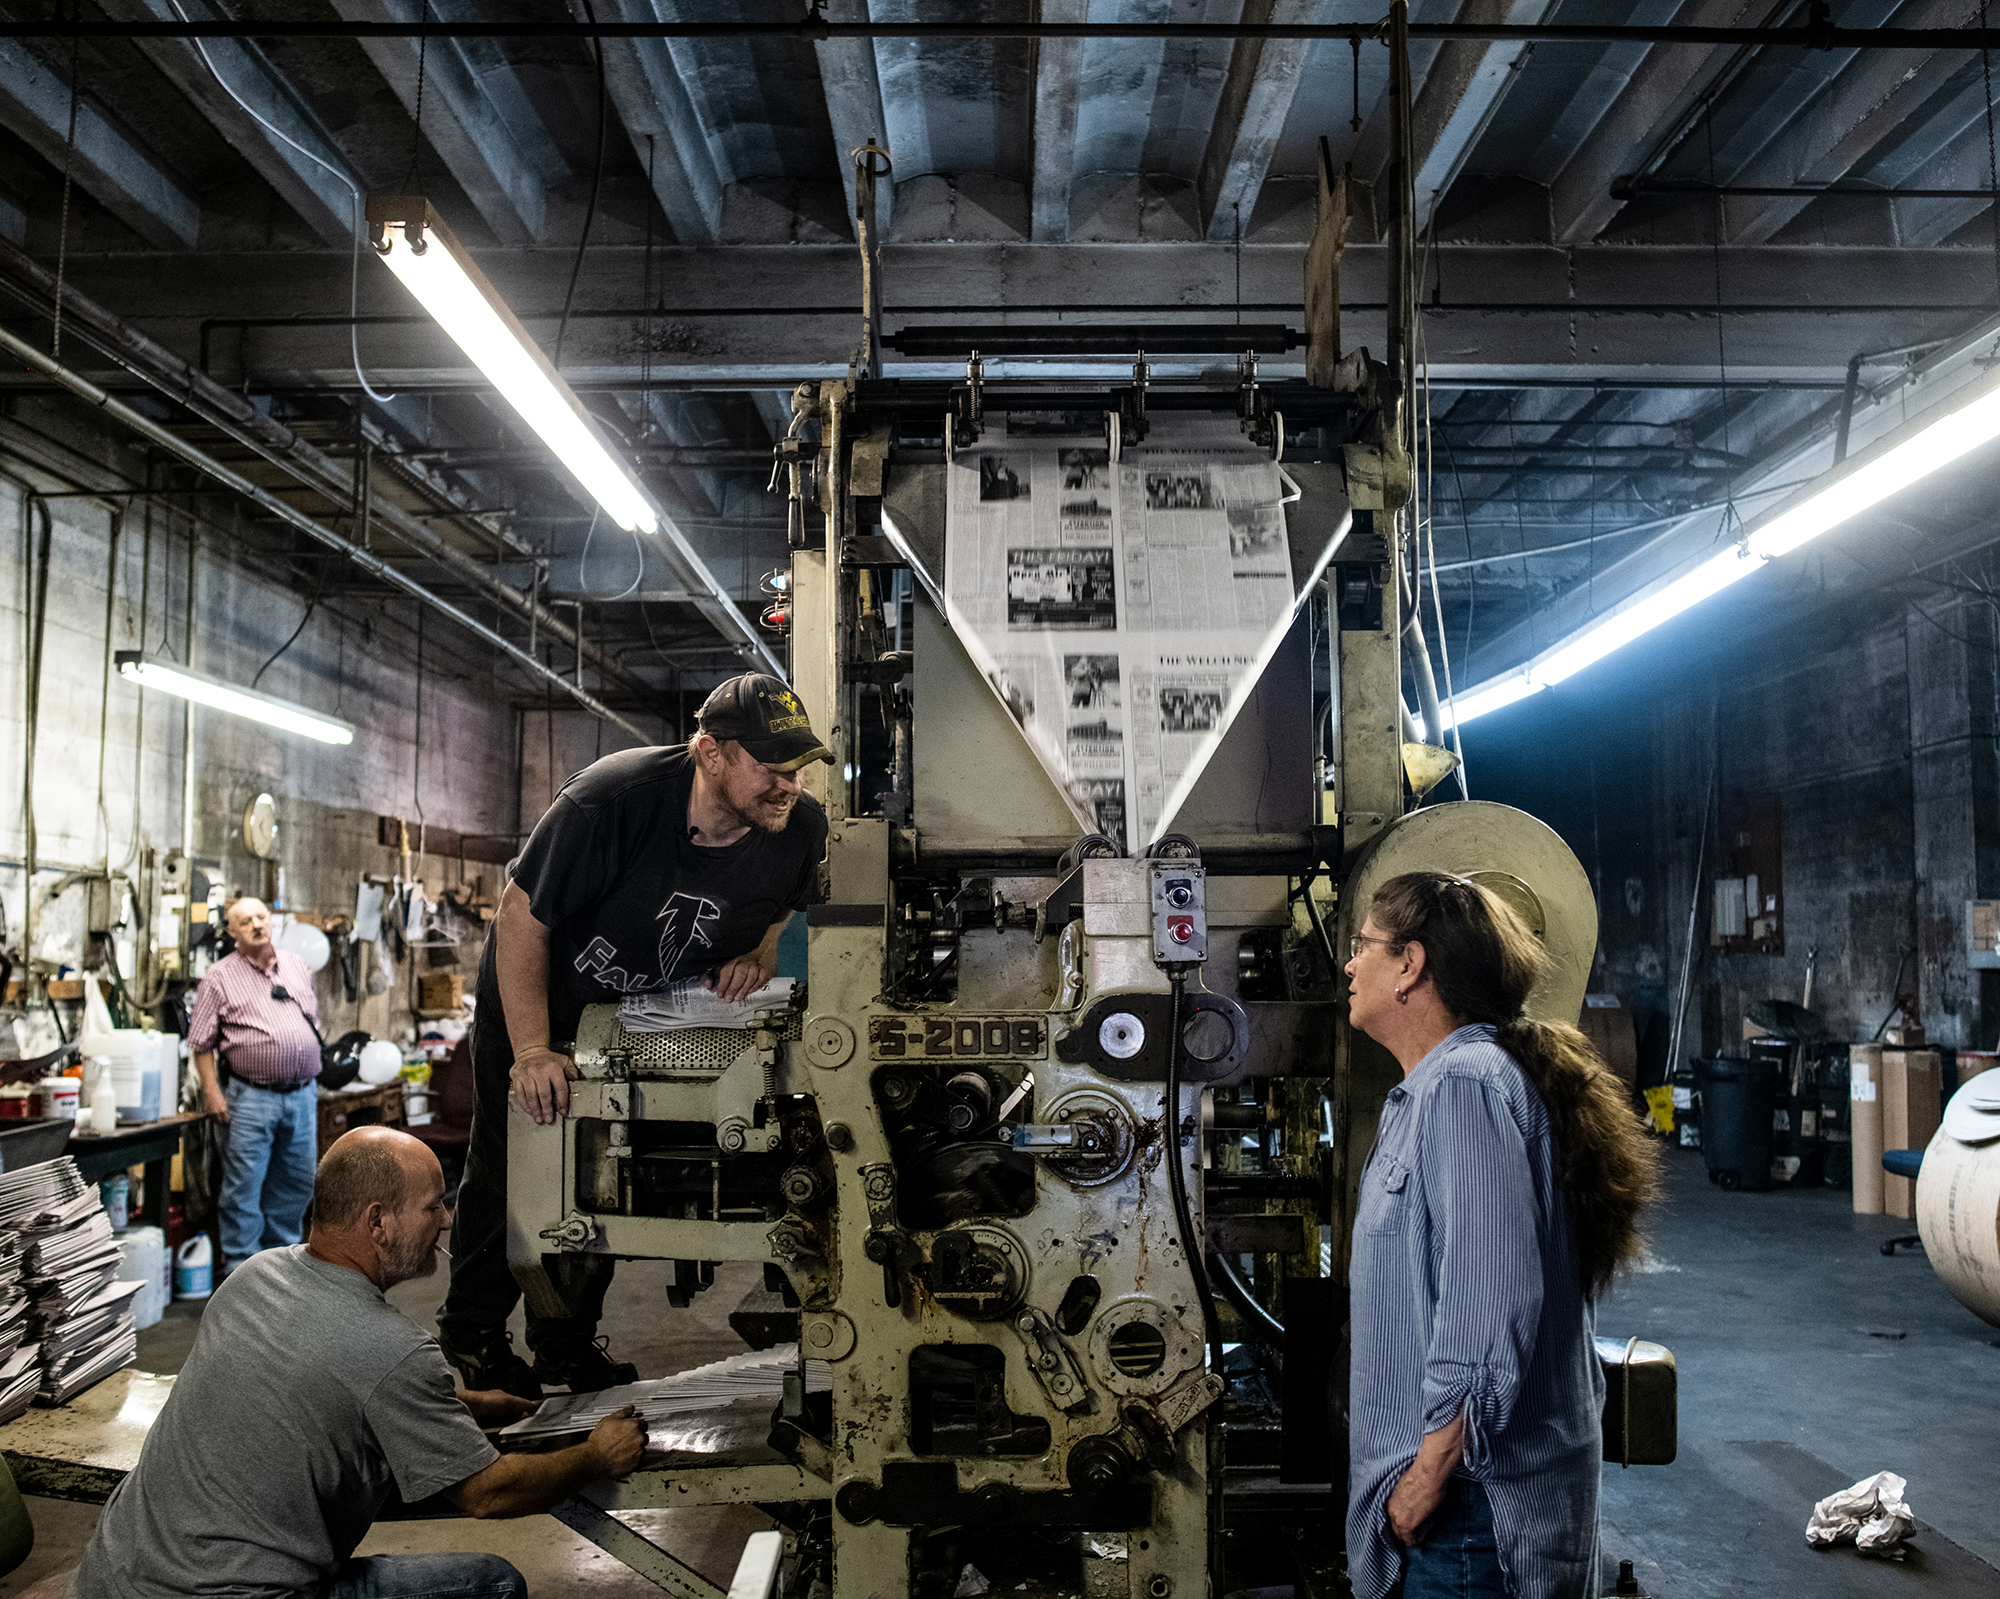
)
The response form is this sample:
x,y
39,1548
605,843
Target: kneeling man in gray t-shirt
x,y
307,1397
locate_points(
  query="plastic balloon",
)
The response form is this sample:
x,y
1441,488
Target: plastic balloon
x,y
381,1062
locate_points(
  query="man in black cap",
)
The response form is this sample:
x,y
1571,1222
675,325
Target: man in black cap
x,y
652,865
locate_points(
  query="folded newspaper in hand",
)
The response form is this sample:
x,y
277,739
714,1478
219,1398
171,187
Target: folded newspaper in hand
x,y
757,1375
694,1004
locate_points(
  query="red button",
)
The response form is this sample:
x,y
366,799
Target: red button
x,y
1180,928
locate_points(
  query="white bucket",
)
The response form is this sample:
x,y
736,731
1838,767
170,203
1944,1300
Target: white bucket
x,y
57,1096
194,1269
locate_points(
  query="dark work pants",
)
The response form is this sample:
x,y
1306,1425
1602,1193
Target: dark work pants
x,y
483,1291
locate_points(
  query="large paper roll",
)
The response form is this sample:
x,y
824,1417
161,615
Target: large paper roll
x,y
1865,1105
1958,1214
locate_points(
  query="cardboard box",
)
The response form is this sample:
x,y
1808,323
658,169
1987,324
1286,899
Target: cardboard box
x,y
1912,1103
443,991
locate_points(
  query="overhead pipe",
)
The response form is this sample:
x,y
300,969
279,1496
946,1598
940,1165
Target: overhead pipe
x,y
1634,185
159,368
269,503
1812,36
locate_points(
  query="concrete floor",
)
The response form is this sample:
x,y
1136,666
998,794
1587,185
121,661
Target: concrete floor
x,y
552,1558
1807,1361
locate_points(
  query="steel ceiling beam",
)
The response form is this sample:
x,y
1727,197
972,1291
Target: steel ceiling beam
x,y
853,91
665,128
1460,97
256,99
1662,92
108,163
29,282
813,30
1257,94
480,118
269,503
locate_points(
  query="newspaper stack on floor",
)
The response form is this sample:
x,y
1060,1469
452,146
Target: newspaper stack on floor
x,y
78,1319
20,1374
667,1404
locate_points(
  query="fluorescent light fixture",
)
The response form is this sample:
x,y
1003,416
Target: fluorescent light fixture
x,y
1928,445
1847,492
1639,615
211,691
420,250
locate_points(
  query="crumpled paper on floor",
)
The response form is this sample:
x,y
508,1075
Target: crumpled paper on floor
x,y
1872,1513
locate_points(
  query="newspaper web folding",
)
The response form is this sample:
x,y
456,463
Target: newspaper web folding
x,y
1122,612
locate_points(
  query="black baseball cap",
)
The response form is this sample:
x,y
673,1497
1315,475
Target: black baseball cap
x,y
766,718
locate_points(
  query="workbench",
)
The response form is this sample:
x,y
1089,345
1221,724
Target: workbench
x,y
151,1144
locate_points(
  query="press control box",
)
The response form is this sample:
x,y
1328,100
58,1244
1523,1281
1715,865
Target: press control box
x,y
1180,913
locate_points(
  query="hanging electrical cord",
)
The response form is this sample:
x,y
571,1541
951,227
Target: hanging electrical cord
x,y
1992,160
417,740
354,193
69,161
1721,332
1191,1240
583,566
589,210
104,697
312,602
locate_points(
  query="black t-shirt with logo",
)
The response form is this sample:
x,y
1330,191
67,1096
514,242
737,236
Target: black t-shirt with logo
x,y
631,903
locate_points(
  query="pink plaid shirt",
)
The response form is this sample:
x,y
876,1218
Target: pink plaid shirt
x,y
265,1041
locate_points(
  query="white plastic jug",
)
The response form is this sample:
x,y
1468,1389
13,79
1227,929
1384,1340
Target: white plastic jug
x,y
138,1057
145,1252
194,1269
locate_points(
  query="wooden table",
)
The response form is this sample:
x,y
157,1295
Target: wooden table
x,y
151,1144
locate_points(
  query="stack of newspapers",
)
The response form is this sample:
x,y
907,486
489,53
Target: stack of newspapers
x,y
20,1367
78,1315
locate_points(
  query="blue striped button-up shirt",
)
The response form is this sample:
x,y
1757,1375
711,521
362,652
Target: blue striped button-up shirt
x,y
1466,1301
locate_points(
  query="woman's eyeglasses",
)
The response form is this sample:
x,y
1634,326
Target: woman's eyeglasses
x,y
1354,944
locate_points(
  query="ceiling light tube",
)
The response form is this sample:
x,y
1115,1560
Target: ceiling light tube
x,y
212,691
1637,617
433,266
1933,443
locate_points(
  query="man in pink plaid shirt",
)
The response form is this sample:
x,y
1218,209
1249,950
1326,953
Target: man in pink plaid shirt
x,y
255,1009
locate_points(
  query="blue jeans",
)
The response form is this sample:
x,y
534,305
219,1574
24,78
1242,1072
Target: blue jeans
x,y
268,1161
1459,1557
456,1576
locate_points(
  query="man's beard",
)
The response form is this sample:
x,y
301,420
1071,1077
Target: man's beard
x,y
410,1262
761,816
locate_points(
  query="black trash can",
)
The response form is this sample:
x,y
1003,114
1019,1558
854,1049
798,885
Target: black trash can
x,y
1737,1098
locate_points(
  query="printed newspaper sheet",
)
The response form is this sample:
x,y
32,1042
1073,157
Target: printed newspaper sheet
x,y
1121,612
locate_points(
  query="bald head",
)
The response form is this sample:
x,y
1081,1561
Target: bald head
x,y
378,1206
369,1166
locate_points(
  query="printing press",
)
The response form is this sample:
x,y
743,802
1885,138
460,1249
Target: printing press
x,y
1056,1147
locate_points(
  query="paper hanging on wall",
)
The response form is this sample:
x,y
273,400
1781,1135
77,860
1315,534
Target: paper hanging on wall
x,y
367,912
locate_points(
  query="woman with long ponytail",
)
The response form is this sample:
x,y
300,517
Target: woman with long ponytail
x,y
1502,1196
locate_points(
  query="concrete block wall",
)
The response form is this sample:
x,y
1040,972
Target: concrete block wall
x,y
1876,727
356,657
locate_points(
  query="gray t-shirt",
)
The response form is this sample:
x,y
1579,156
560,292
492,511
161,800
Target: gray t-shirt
x,y
306,1398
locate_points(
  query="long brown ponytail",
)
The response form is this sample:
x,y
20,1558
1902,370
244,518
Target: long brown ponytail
x,y
1485,962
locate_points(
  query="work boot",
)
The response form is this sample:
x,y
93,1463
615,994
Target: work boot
x,y
488,1362
583,1364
